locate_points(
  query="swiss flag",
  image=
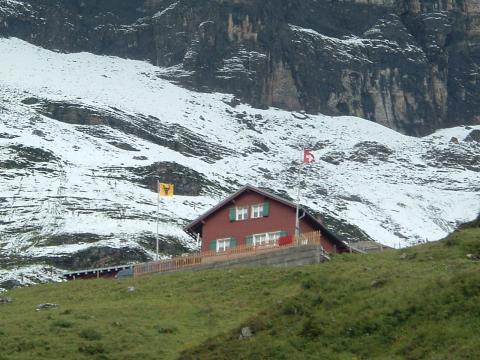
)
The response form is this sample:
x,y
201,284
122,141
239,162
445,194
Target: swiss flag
x,y
308,156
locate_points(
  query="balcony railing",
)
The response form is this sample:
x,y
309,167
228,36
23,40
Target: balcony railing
x,y
183,262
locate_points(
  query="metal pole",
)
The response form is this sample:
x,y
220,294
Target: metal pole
x,y
158,217
297,219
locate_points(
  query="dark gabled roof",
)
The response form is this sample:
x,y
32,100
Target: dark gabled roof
x,y
98,270
190,227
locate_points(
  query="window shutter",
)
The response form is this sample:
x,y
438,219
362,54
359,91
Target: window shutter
x,y
249,240
213,245
233,242
266,208
233,214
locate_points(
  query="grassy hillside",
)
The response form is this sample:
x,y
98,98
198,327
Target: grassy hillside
x,y
420,303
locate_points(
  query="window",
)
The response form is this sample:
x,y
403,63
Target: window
x,y
223,244
260,239
267,238
257,211
241,213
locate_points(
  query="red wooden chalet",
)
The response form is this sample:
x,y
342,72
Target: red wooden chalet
x,y
254,217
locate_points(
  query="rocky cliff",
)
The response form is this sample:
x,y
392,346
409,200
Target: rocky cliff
x,y
411,65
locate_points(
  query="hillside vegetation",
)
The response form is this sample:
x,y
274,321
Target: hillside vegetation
x,y
420,303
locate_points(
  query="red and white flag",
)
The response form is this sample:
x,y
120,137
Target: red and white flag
x,y
308,156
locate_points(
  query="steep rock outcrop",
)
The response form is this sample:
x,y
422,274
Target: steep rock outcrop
x,y
411,65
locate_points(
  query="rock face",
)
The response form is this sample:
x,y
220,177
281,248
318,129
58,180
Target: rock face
x,y
411,65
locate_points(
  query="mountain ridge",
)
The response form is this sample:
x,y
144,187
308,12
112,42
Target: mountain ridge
x,y
409,65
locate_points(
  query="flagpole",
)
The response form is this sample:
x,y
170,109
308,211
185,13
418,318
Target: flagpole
x,y
297,217
158,218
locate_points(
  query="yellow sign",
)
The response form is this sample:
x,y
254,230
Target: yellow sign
x,y
167,189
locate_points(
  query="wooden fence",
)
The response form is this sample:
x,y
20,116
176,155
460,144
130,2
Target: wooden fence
x,y
368,246
183,262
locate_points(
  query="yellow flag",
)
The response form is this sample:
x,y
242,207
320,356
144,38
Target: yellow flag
x,y
167,189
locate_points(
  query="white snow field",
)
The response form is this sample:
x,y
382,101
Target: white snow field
x,y
414,191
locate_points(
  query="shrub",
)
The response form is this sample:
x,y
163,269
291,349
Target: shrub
x,y
467,285
90,334
62,323
92,349
25,346
293,308
317,300
472,246
452,241
166,329
307,284
311,329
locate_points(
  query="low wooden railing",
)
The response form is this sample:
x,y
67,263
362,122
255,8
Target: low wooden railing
x,y
313,238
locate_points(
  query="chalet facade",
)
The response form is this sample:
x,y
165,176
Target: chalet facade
x,y
254,217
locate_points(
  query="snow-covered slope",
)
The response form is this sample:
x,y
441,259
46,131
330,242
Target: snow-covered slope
x,y
75,172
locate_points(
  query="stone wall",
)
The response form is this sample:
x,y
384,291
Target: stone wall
x,y
294,256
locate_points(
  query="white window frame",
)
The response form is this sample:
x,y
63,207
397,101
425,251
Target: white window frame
x,y
226,244
271,238
257,211
241,213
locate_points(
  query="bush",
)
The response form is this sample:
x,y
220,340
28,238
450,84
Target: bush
x,y
317,300
90,334
62,323
166,329
467,285
472,246
452,241
311,329
25,346
92,349
293,308
307,284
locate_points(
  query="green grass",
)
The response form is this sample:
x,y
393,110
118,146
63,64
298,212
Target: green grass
x,y
422,305
162,317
